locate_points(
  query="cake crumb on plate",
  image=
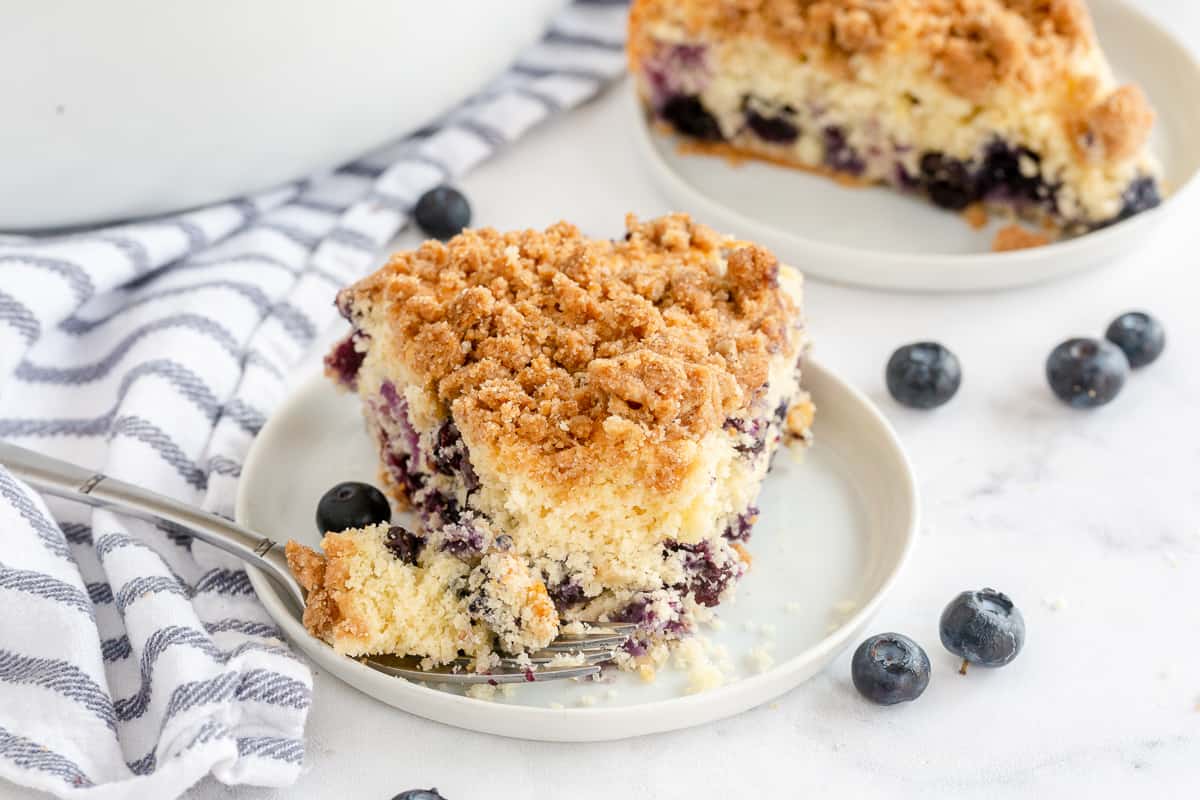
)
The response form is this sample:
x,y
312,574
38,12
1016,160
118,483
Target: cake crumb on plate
x,y
760,659
1014,237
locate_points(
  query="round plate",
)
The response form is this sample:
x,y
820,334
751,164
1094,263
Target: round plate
x,y
838,521
879,238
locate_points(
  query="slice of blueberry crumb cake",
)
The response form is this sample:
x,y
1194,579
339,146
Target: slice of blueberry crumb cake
x,y
581,425
1009,104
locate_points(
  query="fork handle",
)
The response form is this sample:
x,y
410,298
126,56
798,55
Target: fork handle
x,y
71,482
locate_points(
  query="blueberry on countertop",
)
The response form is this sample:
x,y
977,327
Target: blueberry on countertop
x,y
923,375
419,794
443,212
1140,336
889,669
982,627
1086,373
351,505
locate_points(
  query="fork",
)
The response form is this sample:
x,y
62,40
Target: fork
x,y
597,644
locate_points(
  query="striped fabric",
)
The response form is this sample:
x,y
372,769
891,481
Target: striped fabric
x,y
132,661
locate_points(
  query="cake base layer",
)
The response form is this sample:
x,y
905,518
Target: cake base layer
x,y
382,589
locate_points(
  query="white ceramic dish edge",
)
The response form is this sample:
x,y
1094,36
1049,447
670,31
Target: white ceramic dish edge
x,y
602,724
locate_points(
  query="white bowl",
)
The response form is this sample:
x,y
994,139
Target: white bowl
x,y
835,528
876,237
134,107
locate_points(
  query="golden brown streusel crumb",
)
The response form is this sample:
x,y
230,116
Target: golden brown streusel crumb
x,y
563,351
972,43
320,610
1014,237
1117,127
976,215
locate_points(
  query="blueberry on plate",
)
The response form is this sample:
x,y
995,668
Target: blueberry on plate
x,y
889,669
351,505
419,794
443,212
1140,336
1086,373
923,375
983,628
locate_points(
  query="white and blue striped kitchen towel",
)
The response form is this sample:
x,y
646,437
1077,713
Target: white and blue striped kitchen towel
x,y
132,661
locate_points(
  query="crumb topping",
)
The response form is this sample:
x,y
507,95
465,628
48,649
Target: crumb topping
x,y
564,351
974,41
321,612
1117,127
971,46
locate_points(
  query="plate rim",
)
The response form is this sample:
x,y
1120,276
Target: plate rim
x,y
609,723
988,271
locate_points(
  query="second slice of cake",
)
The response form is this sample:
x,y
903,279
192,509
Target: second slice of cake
x,y
602,411
1009,104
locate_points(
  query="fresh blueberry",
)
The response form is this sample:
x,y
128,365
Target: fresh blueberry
x,y
1140,336
443,212
689,116
404,544
947,180
982,627
419,794
351,505
1141,195
1003,174
923,375
772,129
1086,373
840,155
889,669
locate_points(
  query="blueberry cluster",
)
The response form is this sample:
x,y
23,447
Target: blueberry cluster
x,y
708,574
1082,372
1087,373
980,627
1001,173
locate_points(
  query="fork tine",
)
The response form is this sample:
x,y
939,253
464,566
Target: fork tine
x,y
615,627
596,646
409,669
543,657
587,641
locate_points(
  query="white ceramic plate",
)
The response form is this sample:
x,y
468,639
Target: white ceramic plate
x,y
837,524
876,237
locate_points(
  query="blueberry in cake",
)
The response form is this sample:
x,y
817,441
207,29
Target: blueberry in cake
x,y
1009,104
581,425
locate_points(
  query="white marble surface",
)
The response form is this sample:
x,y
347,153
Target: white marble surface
x,y
1091,521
